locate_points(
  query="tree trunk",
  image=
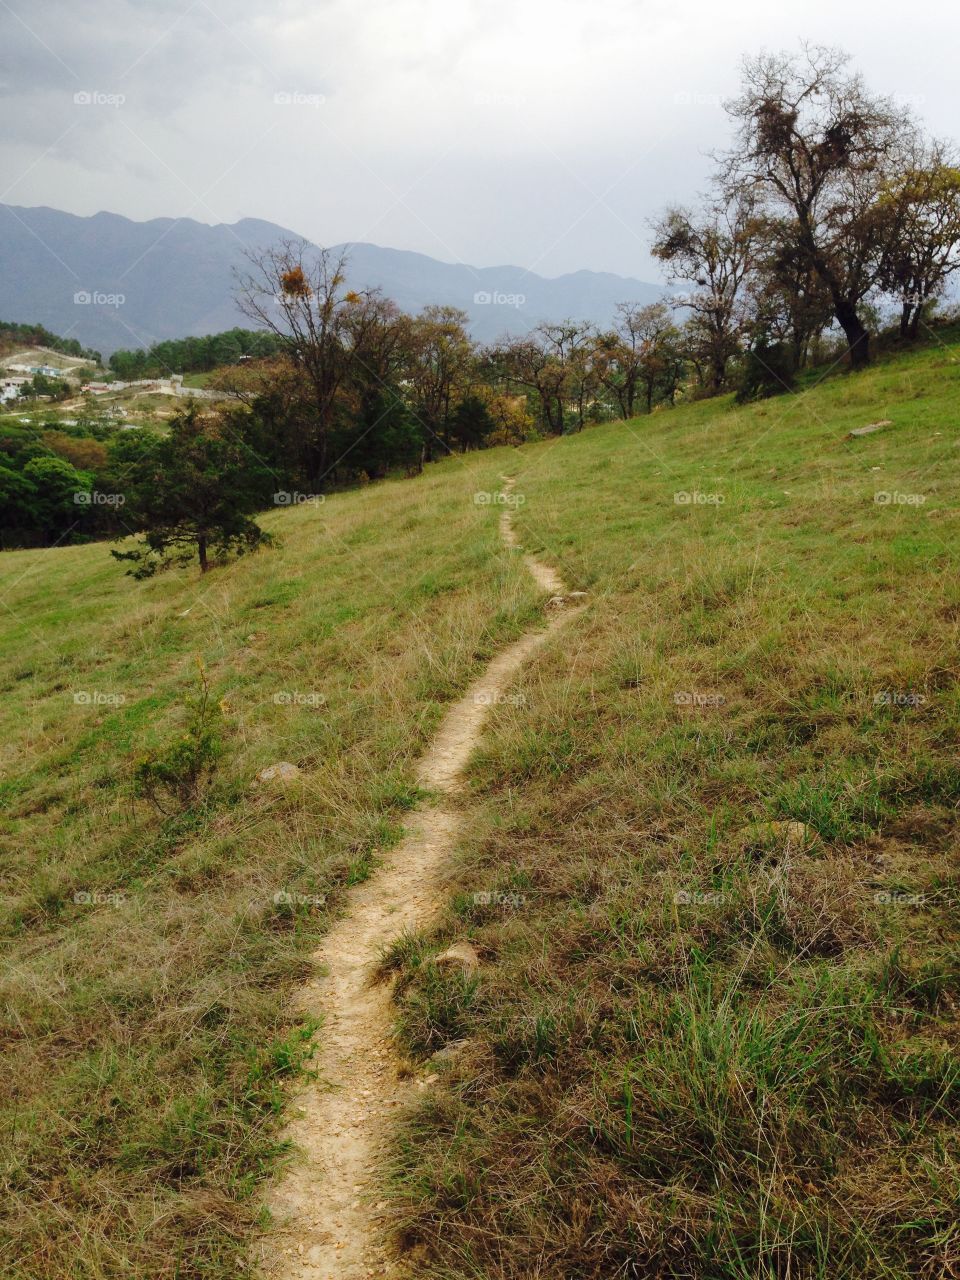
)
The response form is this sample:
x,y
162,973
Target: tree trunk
x,y
906,311
915,321
202,552
798,345
858,339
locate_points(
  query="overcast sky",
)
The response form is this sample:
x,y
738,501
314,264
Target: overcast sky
x,y
537,132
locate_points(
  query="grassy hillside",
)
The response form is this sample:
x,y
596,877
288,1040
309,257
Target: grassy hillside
x,y
704,1042
150,955
716,1028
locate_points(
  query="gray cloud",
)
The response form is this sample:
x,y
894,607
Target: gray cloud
x,y
541,132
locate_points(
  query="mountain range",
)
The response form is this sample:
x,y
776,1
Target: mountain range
x,y
111,282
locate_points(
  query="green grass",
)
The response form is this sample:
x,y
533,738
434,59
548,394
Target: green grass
x,y
149,971
700,1046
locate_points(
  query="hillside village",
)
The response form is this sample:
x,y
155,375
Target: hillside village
x,y
19,370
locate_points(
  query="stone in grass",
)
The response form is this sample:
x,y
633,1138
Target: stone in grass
x,y
283,771
871,427
451,1052
561,602
463,954
791,835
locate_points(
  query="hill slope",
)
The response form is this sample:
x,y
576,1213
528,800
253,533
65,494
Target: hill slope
x,y
716,1030
708,858
175,277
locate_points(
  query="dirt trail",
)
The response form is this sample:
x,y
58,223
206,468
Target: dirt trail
x,y
325,1207
544,576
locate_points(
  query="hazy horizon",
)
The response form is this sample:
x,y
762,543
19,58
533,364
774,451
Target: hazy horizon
x,y
438,257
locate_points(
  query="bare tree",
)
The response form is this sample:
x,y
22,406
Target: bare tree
x,y
711,249
556,362
639,354
922,247
815,148
300,293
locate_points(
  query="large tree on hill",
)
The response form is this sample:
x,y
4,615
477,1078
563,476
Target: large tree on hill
x,y
377,429
711,249
817,150
300,294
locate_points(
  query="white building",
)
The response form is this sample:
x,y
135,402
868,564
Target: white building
x,y
10,388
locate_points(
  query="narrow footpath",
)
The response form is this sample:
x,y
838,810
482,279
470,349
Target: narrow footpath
x,y
329,1224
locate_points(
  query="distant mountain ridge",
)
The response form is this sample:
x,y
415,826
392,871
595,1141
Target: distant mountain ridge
x,y
111,282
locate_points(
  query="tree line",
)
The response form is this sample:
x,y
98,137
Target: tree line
x,y
14,335
192,355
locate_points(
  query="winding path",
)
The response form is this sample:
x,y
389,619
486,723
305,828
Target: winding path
x,y
328,1221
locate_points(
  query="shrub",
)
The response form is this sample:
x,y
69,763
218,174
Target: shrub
x,y
767,371
178,772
